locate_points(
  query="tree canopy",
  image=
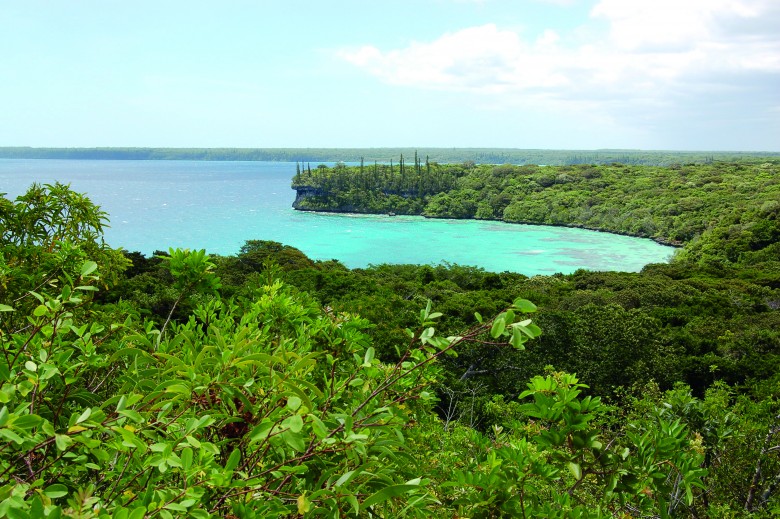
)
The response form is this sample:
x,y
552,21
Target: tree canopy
x,y
267,384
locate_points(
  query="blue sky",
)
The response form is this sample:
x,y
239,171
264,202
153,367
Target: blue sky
x,y
572,74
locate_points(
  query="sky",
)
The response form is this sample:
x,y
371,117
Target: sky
x,y
549,74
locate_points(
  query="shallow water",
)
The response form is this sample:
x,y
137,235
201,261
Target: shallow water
x,y
217,206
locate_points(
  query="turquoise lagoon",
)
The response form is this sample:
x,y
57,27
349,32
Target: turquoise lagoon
x,y
217,206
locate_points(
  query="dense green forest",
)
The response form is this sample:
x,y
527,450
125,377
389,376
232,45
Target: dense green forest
x,y
676,204
268,384
443,155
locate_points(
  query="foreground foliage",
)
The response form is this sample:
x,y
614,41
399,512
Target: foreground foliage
x,y
245,397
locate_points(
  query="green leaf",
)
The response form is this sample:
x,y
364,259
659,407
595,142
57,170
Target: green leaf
x,y
531,330
88,268
6,308
137,513
294,403
345,478
353,437
388,493
63,441
499,325
424,313
517,339
318,426
233,460
27,421
186,458
294,423
55,491
10,435
575,469
427,334
369,357
84,416
260,431
354,502
36,508
132,415
524,305
131,351
509,316
294,440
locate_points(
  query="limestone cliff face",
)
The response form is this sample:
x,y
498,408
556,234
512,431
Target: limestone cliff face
x,y
320,202
304,192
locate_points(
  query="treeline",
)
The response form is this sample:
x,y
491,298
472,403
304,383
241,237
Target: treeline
x,y
401,186
385,155
267,384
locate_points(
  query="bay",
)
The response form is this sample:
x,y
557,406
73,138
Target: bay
x,y
217,206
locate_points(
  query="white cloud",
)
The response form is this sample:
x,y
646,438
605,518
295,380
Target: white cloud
x,y
655,53
483,59
672,26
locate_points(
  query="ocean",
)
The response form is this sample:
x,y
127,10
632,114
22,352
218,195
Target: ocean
x,y
217,206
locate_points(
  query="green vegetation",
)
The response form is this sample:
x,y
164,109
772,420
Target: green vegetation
x,y
267,384
443,155
727,212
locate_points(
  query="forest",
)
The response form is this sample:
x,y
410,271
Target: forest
x,y
385,155
675,204
266,384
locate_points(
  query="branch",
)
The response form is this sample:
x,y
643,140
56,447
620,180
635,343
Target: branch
x,y
757,473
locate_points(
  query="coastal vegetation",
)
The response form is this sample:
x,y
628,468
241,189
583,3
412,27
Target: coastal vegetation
x,y
268,384
732,204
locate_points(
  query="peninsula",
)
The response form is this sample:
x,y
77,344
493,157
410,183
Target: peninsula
x,y
676,204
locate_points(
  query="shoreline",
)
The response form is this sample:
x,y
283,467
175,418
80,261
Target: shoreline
x,y
659,240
